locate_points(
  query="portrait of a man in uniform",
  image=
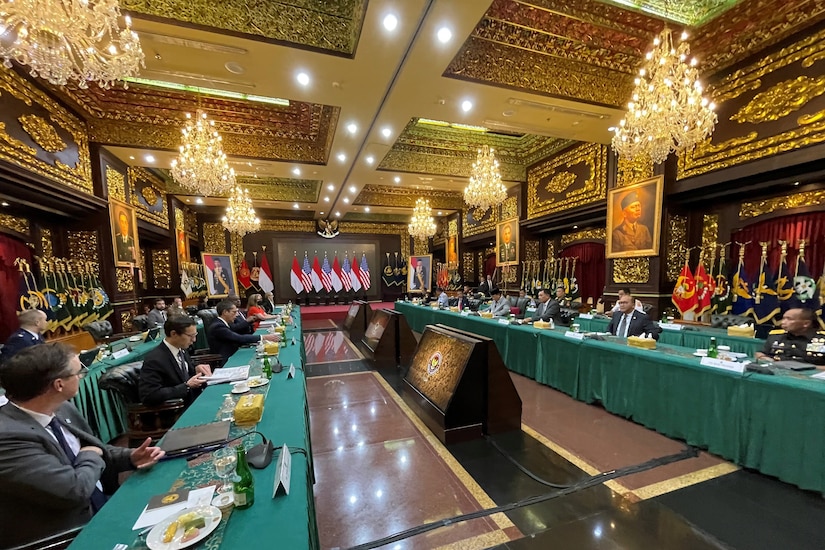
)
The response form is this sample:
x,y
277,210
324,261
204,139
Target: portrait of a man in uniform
x,y
633,218
124,233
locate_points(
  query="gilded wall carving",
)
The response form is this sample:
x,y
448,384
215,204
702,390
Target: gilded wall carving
x,y
388,195
115,184
214,238
46,243
191,221
32,129
710,237
141,265
126,320
551,250
327,25
236,248
480,262
149,197
766,108
589,164
469,274
509,208
161,268
531,250
125,279
421,246
676,245
592,234
797,200
15,223
180,220
475,223
452,228
263,189
631,270
633,170
83,246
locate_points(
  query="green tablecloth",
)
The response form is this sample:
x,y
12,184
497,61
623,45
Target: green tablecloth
x,y
283,522
770,423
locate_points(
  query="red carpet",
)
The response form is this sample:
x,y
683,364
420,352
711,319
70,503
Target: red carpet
x,y
336,312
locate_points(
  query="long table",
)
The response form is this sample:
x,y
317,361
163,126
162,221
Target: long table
x,y
689,337
282,522
774,424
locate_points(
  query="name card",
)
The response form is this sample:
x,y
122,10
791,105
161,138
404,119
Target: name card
x,y
574,335
585,315
283,472
504,321
465,313
722,364
670,326
291,373
120,353
530,310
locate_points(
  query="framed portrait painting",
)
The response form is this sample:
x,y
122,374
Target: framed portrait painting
x,y
182,243
634,218
507,242
219,272
452,252
124,233
419,274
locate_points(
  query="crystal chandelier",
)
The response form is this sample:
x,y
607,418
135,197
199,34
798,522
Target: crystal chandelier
x,y
422,225
485,189
62,40
240,217
201,166
667,111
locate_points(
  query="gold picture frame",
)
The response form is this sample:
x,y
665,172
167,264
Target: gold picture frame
x,y
507,242
220,279
633,227
451,252
125,245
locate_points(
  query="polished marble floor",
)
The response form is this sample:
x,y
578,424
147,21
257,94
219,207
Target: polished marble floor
x,y
380,471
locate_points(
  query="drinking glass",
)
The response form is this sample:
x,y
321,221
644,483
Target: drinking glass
x,y
225,461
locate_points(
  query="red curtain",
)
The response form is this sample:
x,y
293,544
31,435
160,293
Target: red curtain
x,y
792,228
10,281
589,268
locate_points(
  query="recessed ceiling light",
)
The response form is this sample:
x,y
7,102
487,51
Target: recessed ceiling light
x,y
444,34
149,158
131,157
575,227
370,159
199,201
386,132
439,212
342,157
322,213
4,203
390,22
346,200
352,127
296,171
466,105
234,67
491,244
326,199
331,187
295,205
352,189
396,179
338,214
796,183
302,78
366,209
187,200
611,129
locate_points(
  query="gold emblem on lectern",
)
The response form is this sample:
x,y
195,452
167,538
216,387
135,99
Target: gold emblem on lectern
x,y
434,363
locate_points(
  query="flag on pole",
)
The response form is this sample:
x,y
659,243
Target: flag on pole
x,y
346,274
784,281
387,274
765,300
306,274
356,276
804,286
265,274
741,288
337,283
296,276
317,282
684,293
364,273
243,274
326,270
820,285
721,299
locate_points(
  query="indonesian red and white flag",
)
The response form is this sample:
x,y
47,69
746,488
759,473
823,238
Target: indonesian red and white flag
x,y
337,283
317,282
295,276
265,275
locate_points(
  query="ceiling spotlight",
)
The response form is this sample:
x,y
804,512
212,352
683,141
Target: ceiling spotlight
x,y
386,132
444,34
352,127
302,78
575,227
439,212
396,179
131,157
199,201
322,213
366,209
296,171
342,157
338,214
331,187
466,105
352,189
295,205
187,200
149,158
326,199
346,200
390,22
4,203
370,159
796,183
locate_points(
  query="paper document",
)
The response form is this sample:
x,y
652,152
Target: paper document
x,y
819,375
197,497
227,374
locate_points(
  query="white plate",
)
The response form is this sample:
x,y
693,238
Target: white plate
x,y
697,354
258,383
137,338
236,390
211,515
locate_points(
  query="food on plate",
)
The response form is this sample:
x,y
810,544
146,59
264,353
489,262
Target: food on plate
x,y
169,534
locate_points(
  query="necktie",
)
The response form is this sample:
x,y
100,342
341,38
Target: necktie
x,y
622,327
163,315
98,499
184,368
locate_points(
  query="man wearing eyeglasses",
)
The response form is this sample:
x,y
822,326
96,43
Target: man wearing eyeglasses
x,y
168,371
54,475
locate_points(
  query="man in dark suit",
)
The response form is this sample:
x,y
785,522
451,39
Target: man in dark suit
x,y
54,475
628,321
486,286
547,309
223,339
168,371
32,324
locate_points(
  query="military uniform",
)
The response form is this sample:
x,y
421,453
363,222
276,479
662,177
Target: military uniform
x,y
808,347
17,341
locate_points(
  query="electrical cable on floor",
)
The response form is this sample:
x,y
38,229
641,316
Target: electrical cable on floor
x,y
523,469
687,452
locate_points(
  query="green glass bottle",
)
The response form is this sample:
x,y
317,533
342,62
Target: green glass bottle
x,y
712,350
267,368
243,490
